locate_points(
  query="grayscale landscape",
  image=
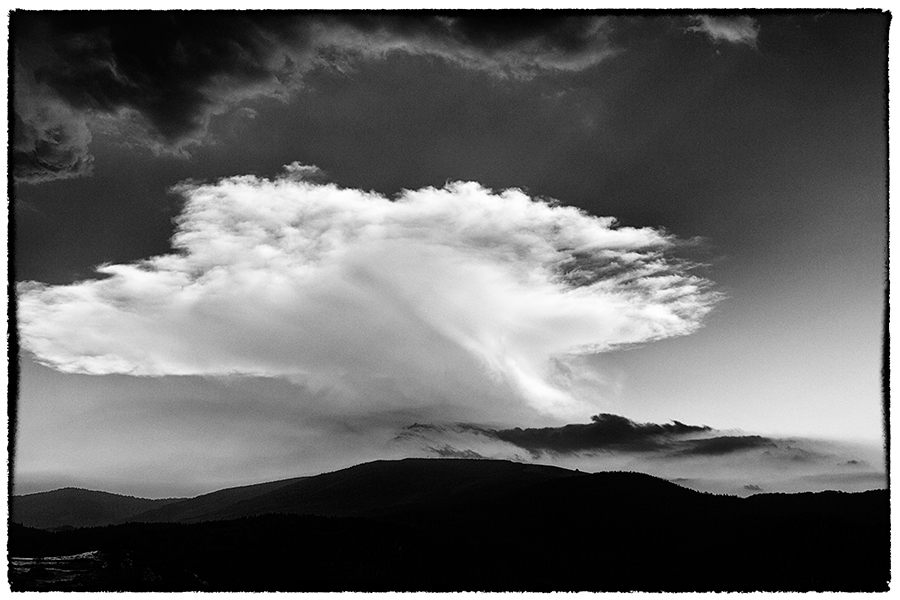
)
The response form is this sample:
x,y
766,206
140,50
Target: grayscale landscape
x,y
493,300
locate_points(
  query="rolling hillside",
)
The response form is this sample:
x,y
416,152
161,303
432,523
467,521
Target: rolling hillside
x,y
472,525
372,489
75,507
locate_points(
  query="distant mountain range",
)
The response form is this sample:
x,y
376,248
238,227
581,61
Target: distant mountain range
x,y
74,507
453,525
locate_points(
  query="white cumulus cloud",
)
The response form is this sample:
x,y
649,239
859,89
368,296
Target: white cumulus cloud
x,y
459,295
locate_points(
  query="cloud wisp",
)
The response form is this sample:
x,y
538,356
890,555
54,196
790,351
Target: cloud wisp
x,y
156,79
459,296
734,30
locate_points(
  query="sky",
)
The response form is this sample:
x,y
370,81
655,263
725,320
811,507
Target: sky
x,y
261,245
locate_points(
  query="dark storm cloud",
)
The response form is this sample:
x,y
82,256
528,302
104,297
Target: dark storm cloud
x,y
698,457
605,431
509,43
617,434
156,78
50,139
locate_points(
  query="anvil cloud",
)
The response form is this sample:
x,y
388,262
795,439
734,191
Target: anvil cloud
x,y
459,295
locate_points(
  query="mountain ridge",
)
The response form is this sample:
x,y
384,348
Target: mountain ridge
x,y
78,507
474,525
392,486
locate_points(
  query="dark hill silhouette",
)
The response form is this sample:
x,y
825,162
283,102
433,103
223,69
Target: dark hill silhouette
x,y
464,525
371,489
203,507
75,507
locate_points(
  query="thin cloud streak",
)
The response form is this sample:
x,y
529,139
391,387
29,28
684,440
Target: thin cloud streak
x,y
458,296
734,30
